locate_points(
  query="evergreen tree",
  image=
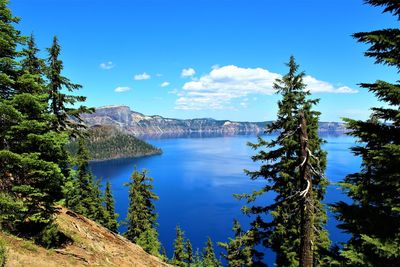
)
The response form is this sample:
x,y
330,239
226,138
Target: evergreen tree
x,y
372,218
198,259
66,117
180,254
30,153
189,251
33,162
100,214
82,202
31,178
9,38
32,63
32,70
87,198
148,240
112,223
209,256
164,255
282,169
239,249
141,218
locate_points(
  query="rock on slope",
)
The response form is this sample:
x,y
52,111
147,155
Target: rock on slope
x,y
93,245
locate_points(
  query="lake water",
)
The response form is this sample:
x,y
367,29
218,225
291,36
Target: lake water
x,y
195,179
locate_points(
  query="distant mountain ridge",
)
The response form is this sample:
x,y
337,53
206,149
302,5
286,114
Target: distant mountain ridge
x,y
138,124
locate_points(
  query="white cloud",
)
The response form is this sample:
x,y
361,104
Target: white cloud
x,y
107,65
121,89
316,86
142,76
345,90
164,84
217,89
189,72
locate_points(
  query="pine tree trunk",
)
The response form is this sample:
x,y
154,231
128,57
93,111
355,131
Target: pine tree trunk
x,y
307,214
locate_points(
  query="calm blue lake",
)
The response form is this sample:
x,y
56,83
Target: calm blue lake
x,y
195,179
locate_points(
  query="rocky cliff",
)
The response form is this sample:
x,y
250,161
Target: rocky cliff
x,y
139,124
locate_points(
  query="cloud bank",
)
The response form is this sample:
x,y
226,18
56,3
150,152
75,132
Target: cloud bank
x,y
218,88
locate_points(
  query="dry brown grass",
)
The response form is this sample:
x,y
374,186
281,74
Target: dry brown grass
x,y
93,245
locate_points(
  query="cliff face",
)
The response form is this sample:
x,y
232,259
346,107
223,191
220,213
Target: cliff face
x,y
138,124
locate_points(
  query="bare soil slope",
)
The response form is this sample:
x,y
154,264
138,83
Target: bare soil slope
x,y
93,245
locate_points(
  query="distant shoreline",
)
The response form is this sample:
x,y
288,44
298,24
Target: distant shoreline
x,y
126,157
219,134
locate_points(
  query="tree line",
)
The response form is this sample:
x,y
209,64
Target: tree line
x,y
38,119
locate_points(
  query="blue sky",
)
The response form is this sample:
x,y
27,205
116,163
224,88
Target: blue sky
x,y
210,58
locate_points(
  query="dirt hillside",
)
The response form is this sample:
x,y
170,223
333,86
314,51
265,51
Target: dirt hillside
x,y
93,245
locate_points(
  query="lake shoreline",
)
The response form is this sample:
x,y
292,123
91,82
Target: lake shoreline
x,y
128,157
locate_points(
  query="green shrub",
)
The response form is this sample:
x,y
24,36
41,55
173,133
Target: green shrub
x,y
49,237
3,252
52,237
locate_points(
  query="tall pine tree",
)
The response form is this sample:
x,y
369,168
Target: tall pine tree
x,y
373,216
141,218
209,258
189,251
10,38
32,63
66,117
111,220
180,254
33,161
240,250
32,69
30,152
86,198
278,225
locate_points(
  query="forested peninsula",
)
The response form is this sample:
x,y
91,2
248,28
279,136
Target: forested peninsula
x,y
108,142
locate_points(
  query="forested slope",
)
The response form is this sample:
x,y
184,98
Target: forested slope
x,y
107,142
